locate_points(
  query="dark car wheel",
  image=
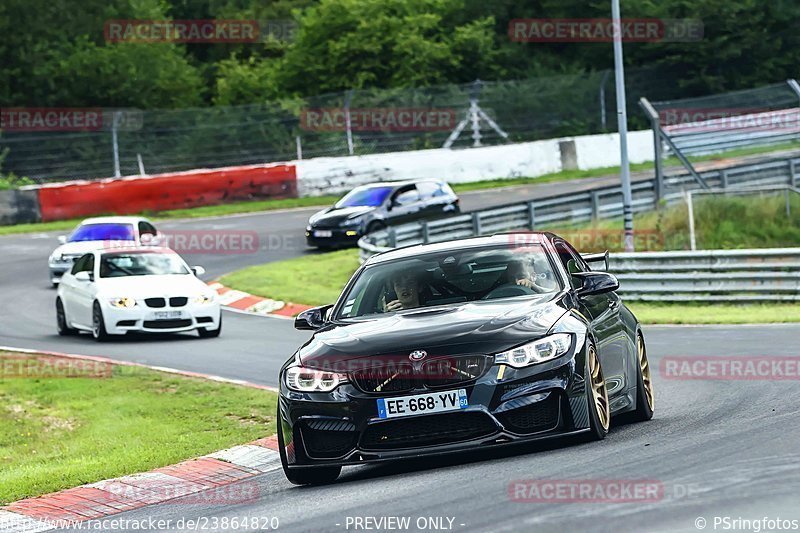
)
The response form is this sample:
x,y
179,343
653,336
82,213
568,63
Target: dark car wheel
x,y
645,398
98,324
307,476
597,396
61,320
210,333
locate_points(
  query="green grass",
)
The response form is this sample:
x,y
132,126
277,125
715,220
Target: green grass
x,y
721,222
312,279
657,313
60,433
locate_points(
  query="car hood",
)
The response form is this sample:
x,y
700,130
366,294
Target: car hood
x,y
479,327
152,286
81,247
335,215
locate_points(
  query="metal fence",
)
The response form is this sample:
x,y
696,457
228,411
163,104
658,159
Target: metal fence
x,y
577,207
183,139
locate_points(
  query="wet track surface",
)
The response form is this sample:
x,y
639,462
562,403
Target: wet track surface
x,y
716,448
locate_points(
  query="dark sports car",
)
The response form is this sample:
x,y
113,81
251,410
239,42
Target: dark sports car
x,y
461,345
374,207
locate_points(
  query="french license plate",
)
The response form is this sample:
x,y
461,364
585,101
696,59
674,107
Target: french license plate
x,y
323,233
166,315
434,402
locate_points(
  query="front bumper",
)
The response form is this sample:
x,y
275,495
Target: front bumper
x,y
338,238
140,318
505,406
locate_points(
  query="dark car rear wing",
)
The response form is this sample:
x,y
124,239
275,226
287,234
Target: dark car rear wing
x,y
593,259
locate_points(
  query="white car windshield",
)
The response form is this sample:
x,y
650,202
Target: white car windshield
x,y
121,264
102,232
451,277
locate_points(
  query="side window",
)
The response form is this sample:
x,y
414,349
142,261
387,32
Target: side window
x,y
571,260
81,263
429,189
90,264
145,228
406,196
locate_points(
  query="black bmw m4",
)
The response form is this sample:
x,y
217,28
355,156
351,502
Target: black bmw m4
x,y
461,345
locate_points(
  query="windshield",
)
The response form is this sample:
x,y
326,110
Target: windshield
x,y
117,265
365,196
103,232
451,277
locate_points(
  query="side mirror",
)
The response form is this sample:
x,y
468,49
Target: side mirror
x,y
84,276
312,319
62,239
596,283
198,270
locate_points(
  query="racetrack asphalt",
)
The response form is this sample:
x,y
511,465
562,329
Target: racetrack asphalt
x,y
717,448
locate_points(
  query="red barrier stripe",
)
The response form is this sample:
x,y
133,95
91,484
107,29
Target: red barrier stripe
x,y
125,196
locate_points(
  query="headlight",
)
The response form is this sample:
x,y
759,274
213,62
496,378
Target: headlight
x,y
350,222
536,352
303,379
122,302
204,299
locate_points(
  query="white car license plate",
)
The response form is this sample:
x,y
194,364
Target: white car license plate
x,y
434,402
166,315
323,233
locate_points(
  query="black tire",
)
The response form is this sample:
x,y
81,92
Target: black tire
x,y
61,320
318,475
98,324
598,425
205,333
645,402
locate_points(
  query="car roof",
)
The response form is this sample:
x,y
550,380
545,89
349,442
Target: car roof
x,y
403,183
136,250
112,220
521,238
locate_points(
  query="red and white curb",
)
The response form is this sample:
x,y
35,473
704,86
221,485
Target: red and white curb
x,y
104,498
248,303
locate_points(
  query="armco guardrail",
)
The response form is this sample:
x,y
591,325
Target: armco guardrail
x,y
593,204
771,274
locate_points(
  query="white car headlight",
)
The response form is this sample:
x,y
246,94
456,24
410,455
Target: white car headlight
x,y
123,302
536,352
204,298
303,379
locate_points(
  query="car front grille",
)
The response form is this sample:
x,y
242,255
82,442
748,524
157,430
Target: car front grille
x,y
402,377
178,301
427,430
155,302
532,418
167,324
325,439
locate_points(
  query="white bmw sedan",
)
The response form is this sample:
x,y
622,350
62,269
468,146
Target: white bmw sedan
x,y
112,292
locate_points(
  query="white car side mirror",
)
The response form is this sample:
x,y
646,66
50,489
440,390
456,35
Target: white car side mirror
x,y
198,270
62,239
84,276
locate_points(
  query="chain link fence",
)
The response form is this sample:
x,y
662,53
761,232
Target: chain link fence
x,y
132,142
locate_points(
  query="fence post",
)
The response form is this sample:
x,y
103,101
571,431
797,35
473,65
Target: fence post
x,y
476,223
299,148
723,179
532,215
792,173
347,97
392,238
655,124
426,234
114,126
595,206
141,164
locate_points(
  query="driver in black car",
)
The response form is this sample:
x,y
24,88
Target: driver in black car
x,y
522,273
406,286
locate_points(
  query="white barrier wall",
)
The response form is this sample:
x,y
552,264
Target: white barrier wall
x,y
331,175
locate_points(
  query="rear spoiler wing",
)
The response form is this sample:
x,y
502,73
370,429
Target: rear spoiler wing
x,y
592,259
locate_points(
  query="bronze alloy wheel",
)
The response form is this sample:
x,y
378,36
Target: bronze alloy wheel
x,y
598,387
644,366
